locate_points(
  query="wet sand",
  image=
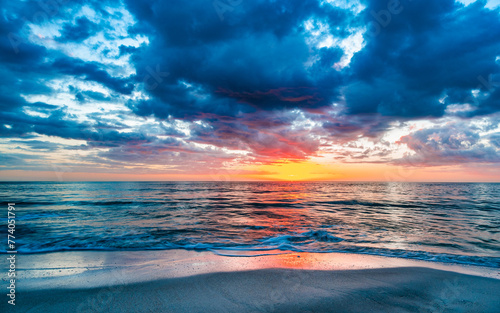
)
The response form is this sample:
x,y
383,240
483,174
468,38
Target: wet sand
x,y
186,281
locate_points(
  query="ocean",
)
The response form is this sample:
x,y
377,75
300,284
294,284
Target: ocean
x,y
443,222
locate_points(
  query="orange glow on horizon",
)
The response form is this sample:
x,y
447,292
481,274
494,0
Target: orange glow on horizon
x,y
295,171
313,171
284,171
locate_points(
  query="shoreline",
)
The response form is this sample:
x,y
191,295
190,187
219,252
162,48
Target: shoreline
x,y
190,281
88,269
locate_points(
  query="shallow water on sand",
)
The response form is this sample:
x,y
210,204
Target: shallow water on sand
x,y
446,222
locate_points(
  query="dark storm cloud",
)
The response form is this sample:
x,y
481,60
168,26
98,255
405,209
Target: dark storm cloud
x,y
423,51
253,60
91,71
426,51
247,70
491,101
127,49
25,68
79,31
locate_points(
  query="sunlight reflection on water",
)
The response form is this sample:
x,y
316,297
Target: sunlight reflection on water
x,y
455,222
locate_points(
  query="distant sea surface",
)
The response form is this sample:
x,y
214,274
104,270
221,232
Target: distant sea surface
x,y
443,222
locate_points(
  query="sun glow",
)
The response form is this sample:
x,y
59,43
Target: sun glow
x,y
296,171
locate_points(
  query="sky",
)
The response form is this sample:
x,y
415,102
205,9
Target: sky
x,y
228,90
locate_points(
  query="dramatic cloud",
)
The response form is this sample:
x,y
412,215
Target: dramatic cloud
x,y
425,56
454,142
183,86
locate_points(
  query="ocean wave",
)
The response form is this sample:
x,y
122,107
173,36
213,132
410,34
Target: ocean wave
x,y
452,223
312,241
312,235
236,251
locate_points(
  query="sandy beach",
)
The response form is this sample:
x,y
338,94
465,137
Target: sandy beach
x,y
250,156
283,290
187,281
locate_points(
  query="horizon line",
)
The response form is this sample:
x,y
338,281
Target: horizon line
x,y
244,181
